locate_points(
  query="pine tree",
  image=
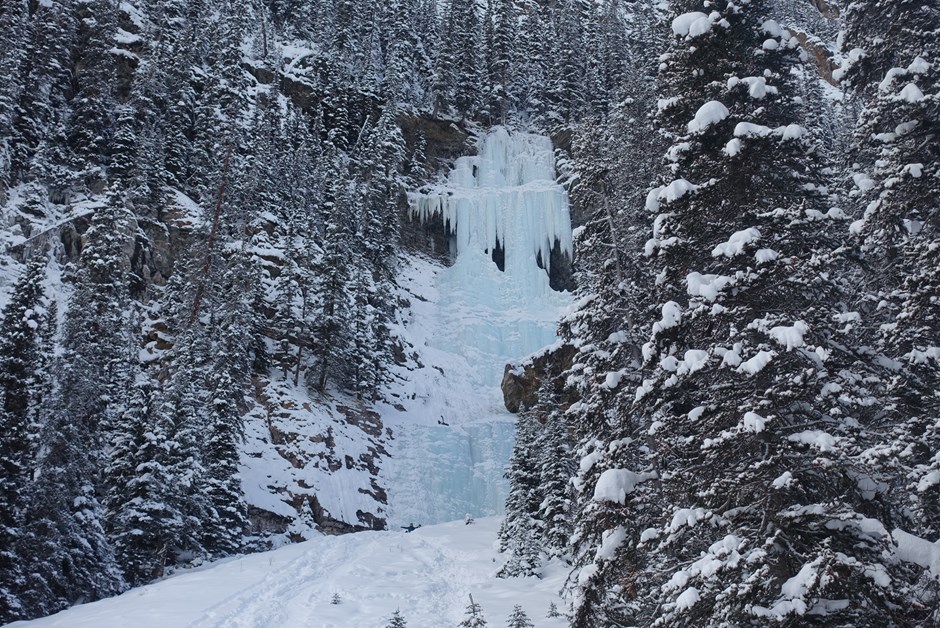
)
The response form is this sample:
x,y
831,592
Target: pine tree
x,y
714,462
143,524
894,198
14,32
183,412
224,533
556,468
397,620
520,533
91,125
553,610
66,554
501,56
474,618
529,79
66,551
38,129
332,329
21,348
407,63
460,71
519,619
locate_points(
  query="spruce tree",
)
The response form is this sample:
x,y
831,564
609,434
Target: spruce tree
x,y
66,552
14,33
734,460
397,620
893,53
332,328
519,619
474,617
556,468
90,127
224,533
21,374
143,523
520,533
501,57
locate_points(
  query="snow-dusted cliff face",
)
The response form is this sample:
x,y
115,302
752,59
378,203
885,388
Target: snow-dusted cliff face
x,y
452,434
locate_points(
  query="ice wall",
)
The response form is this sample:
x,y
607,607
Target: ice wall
x,y
504,197
453,437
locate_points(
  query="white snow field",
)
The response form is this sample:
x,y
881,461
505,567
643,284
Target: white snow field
x,y
452,435
426,574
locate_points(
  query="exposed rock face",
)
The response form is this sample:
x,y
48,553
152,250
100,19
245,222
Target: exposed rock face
x,y
316,442
444,140
521,382
441,141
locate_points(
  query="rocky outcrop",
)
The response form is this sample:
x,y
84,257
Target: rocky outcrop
x,y
521,382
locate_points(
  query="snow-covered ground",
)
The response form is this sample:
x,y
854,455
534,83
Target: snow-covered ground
x,y
427,575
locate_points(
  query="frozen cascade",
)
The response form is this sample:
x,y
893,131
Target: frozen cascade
x,y
468,321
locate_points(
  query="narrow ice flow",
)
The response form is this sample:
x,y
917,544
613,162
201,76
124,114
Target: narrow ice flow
x,y
452,434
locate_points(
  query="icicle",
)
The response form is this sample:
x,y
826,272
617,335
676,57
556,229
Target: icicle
x,y
507,193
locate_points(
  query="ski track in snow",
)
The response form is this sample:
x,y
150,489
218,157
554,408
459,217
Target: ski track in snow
x,y
426,574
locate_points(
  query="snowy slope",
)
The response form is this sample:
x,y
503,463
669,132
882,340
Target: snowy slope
x,y
427,574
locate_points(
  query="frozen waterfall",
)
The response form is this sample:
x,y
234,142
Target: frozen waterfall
x,y
453,435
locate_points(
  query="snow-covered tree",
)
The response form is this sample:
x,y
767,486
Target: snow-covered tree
x,y
143,523
735,453
520,533
556,468
224,532
519,619
397,620
474,617
21,375
894,69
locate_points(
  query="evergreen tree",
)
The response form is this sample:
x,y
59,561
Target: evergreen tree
x,y
14,33
529,80
474,618
556,468
397,620
21,348
67,557
224,534
143,524
91,125
520,532
894,198
519,619
501,56
332,330
714,462
183,411
38,120
461,75
66,552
